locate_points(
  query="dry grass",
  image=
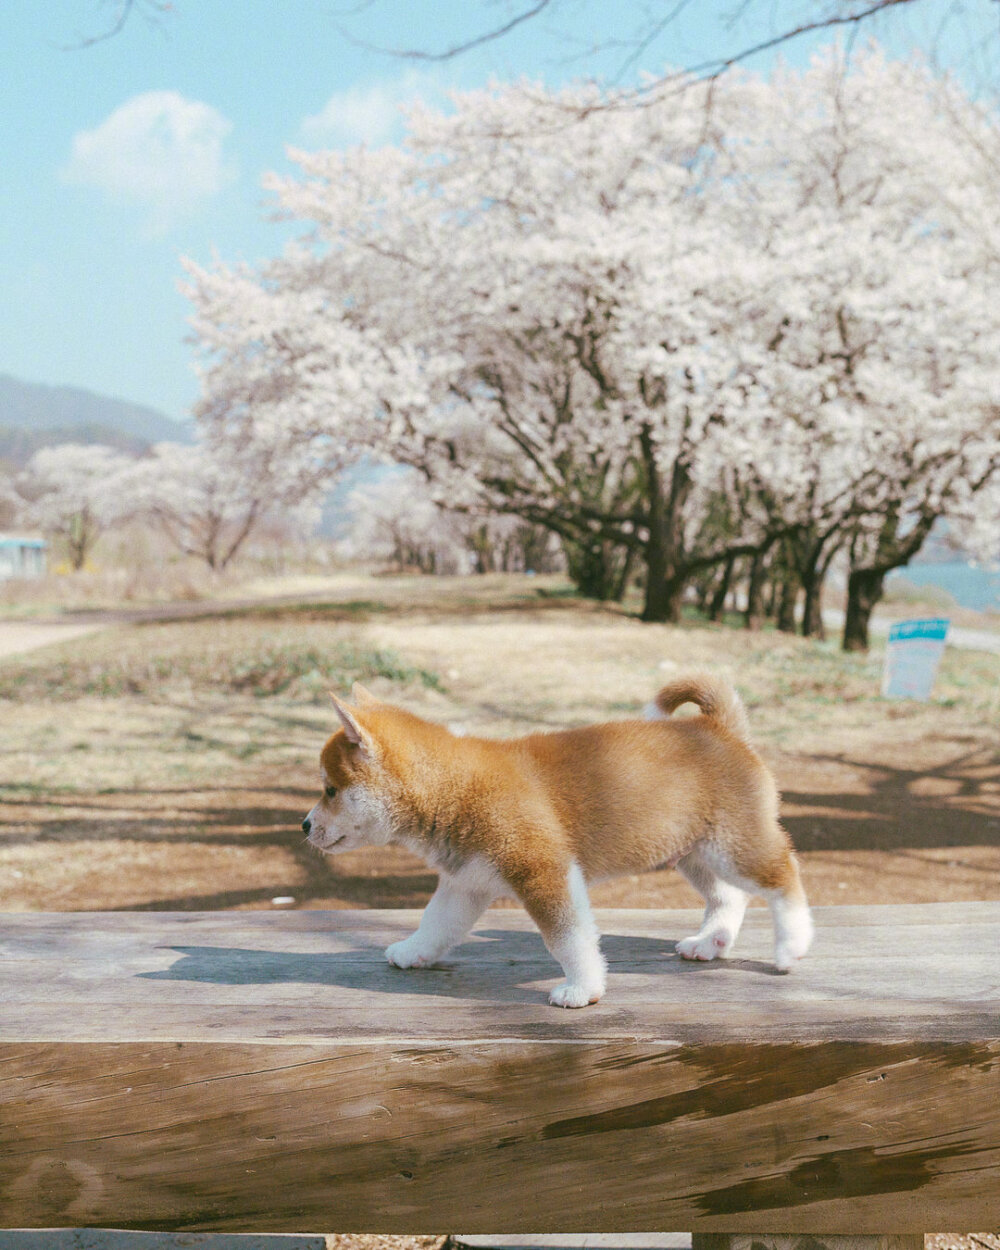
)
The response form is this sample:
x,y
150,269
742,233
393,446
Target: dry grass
x,y
170,765
160,579
224,657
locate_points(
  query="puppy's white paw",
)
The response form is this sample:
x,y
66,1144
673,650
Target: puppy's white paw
x,y
794,938
705,946
407,954
566,995
793,944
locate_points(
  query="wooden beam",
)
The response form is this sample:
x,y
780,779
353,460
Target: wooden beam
x,y
269,1072
828,1241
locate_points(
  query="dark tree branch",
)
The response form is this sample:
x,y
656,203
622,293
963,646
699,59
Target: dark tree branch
x,y
125,8
421,54
849,14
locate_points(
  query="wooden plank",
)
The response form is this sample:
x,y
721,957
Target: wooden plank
x,y
269,977
834,1241
116,1239
501,1137
268,1072
569,1241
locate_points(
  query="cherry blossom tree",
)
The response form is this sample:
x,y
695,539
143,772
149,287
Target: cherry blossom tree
x,y
974,526
672,335
208,502
11,503
395,518
499,302
880,374
75,493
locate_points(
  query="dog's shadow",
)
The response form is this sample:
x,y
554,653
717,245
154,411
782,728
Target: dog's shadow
x,y
514,977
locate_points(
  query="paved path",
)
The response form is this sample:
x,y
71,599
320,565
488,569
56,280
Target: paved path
x,y
16,637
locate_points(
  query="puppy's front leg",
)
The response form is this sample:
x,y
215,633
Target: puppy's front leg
x,y
561,909
447,918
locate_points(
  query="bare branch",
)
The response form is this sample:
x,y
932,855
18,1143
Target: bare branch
x,y
421,54
838,15
713,69
125,9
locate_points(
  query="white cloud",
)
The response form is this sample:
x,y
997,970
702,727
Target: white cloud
x,y
367,114
159,151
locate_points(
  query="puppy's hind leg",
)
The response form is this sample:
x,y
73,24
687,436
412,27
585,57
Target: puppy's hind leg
x,y
772,872
559,904
790,915
725,905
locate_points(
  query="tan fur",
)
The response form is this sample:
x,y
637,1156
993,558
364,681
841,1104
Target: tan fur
x,y
716,700
616,798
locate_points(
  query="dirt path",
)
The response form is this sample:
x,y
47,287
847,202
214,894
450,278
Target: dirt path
x,y
18,637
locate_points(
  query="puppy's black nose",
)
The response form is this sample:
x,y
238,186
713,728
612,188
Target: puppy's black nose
x,y
306,825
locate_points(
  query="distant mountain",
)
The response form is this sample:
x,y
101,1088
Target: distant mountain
x,y
33,415
18,445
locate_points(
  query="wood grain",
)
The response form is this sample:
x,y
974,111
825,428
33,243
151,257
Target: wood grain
x,y
268,1072
830,1241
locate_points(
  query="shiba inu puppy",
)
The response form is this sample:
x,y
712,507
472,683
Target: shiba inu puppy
x,y
539,817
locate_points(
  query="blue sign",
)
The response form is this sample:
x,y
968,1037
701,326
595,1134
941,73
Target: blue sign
x,y
911,658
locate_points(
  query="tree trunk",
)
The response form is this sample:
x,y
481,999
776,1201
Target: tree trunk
x,y
717,607
771,607
814,579
787,600
704,586
754,615
663,600
664,586
812,612
482,550
865,580
864,590
621,583
593,567
79,539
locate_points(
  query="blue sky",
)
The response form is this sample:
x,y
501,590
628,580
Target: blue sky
x,y
119,158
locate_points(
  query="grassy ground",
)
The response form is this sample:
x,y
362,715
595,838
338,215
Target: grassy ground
x,y
169,765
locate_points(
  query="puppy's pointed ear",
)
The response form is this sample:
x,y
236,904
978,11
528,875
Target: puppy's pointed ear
x,y
355,734
361,696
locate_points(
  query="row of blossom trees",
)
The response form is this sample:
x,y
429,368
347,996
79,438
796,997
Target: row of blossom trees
x,y
206,504
395,519
756,320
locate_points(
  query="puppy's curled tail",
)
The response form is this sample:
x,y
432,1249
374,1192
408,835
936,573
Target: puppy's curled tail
x,y
716,698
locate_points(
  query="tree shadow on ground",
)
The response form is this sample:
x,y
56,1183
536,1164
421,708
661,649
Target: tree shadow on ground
x,y
954,803
833,802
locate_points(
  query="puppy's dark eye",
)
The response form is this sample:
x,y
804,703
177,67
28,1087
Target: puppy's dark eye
x,y
330,791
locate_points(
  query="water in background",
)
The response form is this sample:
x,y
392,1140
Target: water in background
x,y
968,584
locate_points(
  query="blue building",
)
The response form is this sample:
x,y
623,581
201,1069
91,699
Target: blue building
x,y
22,556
